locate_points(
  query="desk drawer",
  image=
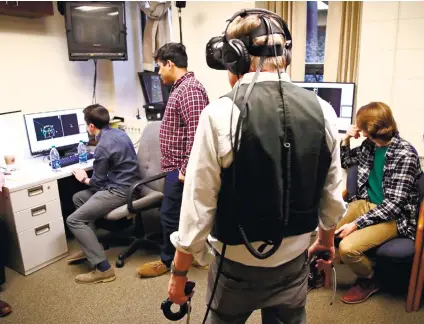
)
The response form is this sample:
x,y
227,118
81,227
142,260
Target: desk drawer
x,y
43,243
34,196
37,215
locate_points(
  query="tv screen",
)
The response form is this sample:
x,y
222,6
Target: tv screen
x,y
96,30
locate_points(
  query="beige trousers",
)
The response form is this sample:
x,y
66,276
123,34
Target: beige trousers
x,y
353,247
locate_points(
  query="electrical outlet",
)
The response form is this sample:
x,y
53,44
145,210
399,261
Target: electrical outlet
x,y
134,127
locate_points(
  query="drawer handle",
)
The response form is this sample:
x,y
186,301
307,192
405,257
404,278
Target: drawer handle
x,y
42,229
38,211
35,191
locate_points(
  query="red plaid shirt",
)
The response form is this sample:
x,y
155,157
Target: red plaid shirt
x,y
187,100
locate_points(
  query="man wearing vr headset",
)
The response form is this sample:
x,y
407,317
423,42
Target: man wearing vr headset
x,y
222,206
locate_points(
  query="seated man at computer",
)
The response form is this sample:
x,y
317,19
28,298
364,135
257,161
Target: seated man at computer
x,y
115,168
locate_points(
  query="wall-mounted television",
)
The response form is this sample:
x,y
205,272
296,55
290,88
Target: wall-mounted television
x,y
96,30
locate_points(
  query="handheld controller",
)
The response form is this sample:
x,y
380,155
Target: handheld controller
x,y
184,309
314,273
315,276
323,256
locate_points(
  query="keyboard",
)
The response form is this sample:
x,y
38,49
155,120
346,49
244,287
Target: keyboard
x,y
73,159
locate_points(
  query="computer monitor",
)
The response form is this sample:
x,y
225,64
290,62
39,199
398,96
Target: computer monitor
x,y
155,92
63,128
339,95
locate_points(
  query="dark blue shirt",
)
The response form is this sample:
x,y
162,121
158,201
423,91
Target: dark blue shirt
x,y
115,161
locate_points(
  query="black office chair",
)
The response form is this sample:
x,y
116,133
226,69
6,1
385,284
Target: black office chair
x,y
150,196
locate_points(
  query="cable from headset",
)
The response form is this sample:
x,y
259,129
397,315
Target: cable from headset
x,y
286,143
224,247
231,116
243,113
334,284
215,285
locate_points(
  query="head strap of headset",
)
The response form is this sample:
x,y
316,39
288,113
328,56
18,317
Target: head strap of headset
x,y
262,30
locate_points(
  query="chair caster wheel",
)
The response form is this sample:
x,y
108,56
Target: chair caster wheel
x,y
119,263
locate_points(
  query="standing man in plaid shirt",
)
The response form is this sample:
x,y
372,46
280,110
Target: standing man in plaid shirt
x,y
186,101
387,199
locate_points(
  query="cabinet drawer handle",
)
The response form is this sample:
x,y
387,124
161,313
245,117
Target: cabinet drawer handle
x,y
38,211
42,229
35,191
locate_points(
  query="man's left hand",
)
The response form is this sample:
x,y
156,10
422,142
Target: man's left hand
x,y
346,229
181,177
79,174
176,288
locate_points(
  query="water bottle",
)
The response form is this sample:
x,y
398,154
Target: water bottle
x,y
82,152
55,159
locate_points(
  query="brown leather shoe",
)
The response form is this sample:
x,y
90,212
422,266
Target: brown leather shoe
x,y
152,269
361,291
5,308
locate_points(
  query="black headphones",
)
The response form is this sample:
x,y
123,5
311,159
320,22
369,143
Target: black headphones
x,y
234,54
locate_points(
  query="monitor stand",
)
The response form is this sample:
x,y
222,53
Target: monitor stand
x,y
154,111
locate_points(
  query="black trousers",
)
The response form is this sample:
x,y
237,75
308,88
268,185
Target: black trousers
x,y
170,214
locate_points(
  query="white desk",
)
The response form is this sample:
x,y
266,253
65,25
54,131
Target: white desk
x,y
31,205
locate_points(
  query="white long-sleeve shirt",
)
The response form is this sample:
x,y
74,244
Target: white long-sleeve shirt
x,y
210,153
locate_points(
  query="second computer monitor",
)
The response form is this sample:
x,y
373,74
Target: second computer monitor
x,y
63,128
339,95
155,92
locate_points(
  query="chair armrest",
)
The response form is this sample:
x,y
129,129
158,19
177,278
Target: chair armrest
x,y
138,184
420,230
345,194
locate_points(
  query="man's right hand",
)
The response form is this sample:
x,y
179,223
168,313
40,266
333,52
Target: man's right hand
x,y
321,246
353,131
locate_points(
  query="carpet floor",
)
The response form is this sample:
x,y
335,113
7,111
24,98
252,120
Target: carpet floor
x,y
50,296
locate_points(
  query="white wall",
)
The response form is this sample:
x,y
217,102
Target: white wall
x,y
391,66
128,95
35,73
201,21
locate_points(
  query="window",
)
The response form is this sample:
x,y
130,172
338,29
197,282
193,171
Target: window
x,y
315,40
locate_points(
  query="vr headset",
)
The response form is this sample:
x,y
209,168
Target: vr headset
x,y
234,54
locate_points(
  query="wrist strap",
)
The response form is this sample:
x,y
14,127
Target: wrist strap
x,y
176,272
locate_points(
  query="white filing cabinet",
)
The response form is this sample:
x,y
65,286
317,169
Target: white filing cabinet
x,y
35,225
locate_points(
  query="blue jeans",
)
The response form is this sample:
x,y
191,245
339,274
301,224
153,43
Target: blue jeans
x,y
170,214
